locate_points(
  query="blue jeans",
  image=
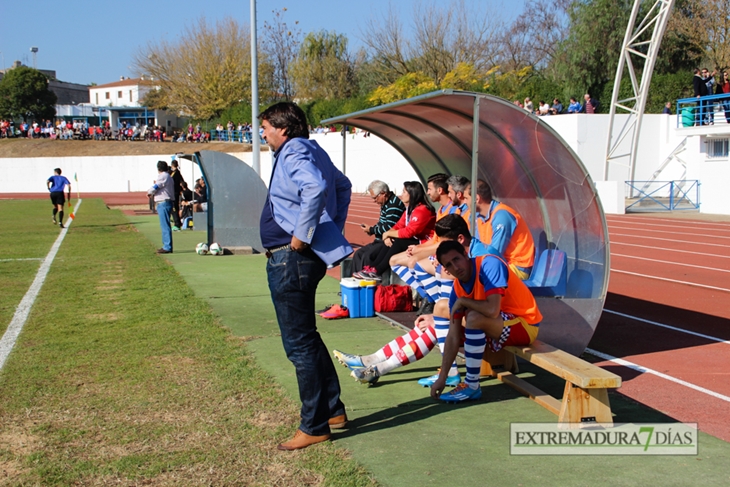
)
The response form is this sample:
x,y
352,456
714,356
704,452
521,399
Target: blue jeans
x,y
293,279
164,209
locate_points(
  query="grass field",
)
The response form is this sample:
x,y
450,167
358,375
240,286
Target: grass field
x,y
123,376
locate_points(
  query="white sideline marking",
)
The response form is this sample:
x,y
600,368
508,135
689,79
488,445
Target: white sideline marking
x,y
27,258
645,370
671,250
671,263
636,318
7,342
672,280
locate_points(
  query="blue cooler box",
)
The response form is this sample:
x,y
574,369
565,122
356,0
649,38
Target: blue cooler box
x,y
358,296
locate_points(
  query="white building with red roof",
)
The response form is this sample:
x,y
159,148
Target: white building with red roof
x,y
127,92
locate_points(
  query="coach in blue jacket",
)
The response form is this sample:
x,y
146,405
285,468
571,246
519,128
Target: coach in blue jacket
x,y
301,228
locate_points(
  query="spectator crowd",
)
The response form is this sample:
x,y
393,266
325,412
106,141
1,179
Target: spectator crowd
x,y
590,105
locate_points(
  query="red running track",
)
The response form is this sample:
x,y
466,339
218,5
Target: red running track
x,y
668,312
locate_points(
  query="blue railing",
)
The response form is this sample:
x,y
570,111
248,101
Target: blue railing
x,y
232,136
664,195
701,111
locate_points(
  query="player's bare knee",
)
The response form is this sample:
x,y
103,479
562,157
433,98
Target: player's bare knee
x,y
441,308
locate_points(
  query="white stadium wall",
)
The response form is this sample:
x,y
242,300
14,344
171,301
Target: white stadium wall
x,y
371,158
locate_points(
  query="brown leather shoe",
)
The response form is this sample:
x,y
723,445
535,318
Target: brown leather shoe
x,y
302,440
338,422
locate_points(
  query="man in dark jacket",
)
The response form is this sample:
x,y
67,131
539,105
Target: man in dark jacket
x,y
700,89
177,180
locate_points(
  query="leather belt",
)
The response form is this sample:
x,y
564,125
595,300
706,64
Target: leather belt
x,y
270,252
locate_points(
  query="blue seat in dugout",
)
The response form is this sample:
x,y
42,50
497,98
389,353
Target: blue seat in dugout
x,y
549,275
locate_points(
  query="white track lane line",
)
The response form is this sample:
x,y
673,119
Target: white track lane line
x,y
7,342
672,228
665,239
684,222
644,230
14,260
613,242
669,327
693,284
645,370
671,263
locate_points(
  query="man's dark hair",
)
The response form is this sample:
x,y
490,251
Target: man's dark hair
x,y
451,226
161,166
57,171
173,163
484,192
287,115
439,181
447,246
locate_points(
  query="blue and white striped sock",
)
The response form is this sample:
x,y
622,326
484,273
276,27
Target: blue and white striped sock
x,y
407,275
428,281
441,326
474,346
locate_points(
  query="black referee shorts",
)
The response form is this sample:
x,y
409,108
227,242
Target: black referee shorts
x,y
58,198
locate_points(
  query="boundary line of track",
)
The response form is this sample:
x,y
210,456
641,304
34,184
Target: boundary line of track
x,y
669,327
694,284
7,342
646,370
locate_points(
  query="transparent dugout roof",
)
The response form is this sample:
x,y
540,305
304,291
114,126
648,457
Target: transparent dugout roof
x,y
529,168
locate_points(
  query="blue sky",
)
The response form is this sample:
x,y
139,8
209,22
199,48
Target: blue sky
x,y
93,41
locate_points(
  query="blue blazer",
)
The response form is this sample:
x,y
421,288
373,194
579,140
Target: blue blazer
x,y
310,197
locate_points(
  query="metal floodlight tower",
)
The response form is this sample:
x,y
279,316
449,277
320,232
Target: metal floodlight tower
x,y
34,50
638,55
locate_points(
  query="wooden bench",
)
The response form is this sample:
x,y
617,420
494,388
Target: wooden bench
x,y
585,398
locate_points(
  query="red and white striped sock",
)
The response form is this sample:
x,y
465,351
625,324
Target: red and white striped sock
x,y
411,347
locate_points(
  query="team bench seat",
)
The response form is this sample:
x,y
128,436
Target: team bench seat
x,y
585,398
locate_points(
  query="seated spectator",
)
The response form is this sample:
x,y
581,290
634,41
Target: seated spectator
x,y
543,108
391,210
667,108
517,103
557,107
201,196
574,106
415,226
528,105
186,201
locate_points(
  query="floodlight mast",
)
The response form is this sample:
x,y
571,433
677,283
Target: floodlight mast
x,y
255,143
644,54
34,50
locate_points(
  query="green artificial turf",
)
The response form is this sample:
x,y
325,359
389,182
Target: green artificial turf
x,y
402,436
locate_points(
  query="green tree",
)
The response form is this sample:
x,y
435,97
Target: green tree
x,y
407,86
24,94
206,70
281,43
586,60
323,68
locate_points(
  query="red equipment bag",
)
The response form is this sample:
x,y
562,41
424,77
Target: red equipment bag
x,y
393,298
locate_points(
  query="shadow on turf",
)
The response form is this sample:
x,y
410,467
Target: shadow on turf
x,y
625,410
612,330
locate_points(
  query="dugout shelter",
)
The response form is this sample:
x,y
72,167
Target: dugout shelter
x,y
531,169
